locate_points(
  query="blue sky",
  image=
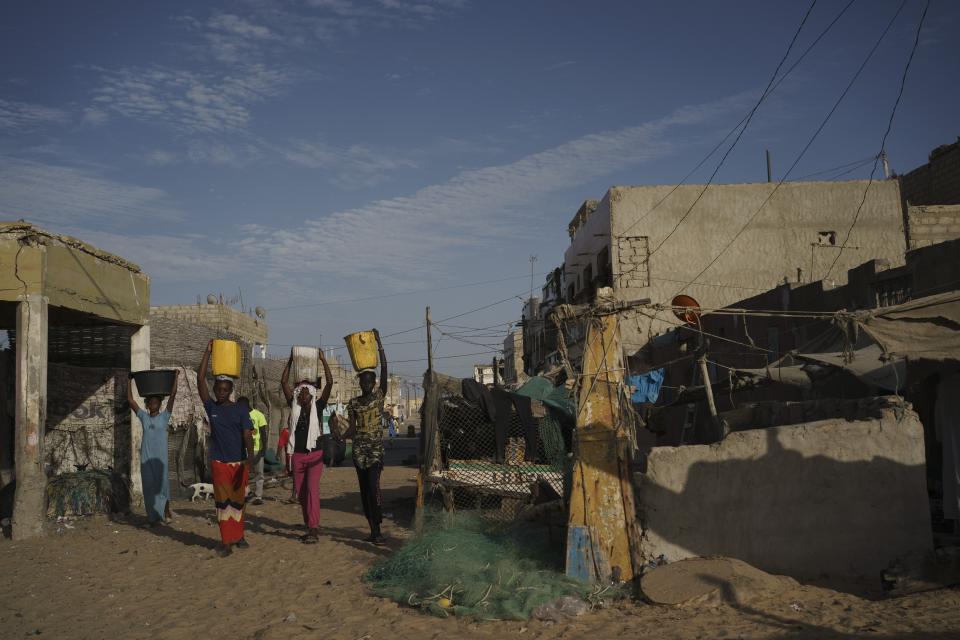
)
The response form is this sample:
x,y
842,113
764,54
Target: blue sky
x,y
316,151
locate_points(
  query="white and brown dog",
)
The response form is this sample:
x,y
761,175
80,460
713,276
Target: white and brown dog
x,y
202,490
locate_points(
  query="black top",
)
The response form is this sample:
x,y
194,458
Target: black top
x,y
303,427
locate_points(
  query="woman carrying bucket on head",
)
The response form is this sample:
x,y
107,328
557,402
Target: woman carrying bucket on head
x,y
231,449
366,429
309,437
154,474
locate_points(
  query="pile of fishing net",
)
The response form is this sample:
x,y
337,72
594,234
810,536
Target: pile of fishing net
x,y
81,493
461,565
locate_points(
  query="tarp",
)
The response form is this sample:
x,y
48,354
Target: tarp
x,y
925,328
868,364
540,388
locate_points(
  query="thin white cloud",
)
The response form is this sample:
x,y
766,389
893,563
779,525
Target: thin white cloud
x,y
54,194
352,167
24,116
172,259
161,157
188,101
472,208
230,23
560,65
94,117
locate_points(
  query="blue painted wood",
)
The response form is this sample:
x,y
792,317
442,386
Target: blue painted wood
x,y
579,554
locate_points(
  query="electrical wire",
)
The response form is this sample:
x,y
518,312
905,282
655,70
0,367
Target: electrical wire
x,y
401,293
744,119
803,152
859,163
883,141
743,130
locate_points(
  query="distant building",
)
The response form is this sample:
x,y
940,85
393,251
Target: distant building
x,y
513,357
483,373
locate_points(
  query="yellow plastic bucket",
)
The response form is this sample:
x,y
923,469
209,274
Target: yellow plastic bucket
x,y
226,358
362,346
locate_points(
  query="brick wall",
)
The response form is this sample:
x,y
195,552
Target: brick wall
x,y
181,343
217,316
931,224
938,181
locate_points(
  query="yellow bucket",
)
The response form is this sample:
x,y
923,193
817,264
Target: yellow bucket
x,y
226,358
362,346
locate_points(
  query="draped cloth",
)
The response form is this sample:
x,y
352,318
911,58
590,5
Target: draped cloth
x,y
229,493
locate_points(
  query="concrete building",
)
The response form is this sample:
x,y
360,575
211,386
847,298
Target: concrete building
x,y
484,373
513,357
931,198
938,181
646,242
77,318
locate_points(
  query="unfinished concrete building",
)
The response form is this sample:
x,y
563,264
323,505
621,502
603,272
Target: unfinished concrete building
x,y
646,244
76,319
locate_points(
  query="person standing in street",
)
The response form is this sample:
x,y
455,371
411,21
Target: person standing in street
x,y
231,455
307,434
154,466
259,422
365,414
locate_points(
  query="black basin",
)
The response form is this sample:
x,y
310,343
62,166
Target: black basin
x,y
155,382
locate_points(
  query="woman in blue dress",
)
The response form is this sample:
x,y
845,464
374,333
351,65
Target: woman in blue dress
x,y
154,470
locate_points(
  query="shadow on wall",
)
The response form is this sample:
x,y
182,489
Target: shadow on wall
x,y
791,509
87,419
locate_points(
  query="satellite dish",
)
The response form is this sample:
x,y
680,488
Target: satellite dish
x,y
686,309
211,299
261,312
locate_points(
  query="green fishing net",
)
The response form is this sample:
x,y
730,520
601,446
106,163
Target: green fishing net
x,y
461,565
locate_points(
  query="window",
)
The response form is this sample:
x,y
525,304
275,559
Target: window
x,y
604,272
827,238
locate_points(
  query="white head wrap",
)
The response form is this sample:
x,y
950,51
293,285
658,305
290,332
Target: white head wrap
x,y
314,430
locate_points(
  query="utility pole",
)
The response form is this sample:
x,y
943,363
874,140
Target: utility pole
x,y
769,169
429,346
886,165
532,260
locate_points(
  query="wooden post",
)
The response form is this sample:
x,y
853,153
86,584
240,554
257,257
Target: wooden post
x,y
602,535
708,390
429,345
425,424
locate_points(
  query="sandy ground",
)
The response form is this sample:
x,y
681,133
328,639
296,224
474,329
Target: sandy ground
x,y
117,579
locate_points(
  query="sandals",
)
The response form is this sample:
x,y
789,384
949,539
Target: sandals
x,y
310,538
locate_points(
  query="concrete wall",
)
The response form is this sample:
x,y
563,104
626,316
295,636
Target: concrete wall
x,y
829,497
938,181
71,275
591,237
773,246
931,224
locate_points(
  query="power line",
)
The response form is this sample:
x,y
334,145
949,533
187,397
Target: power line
x,y
856,164
744,119
743,129
402,293
459,315
805,148
459,355
883,141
